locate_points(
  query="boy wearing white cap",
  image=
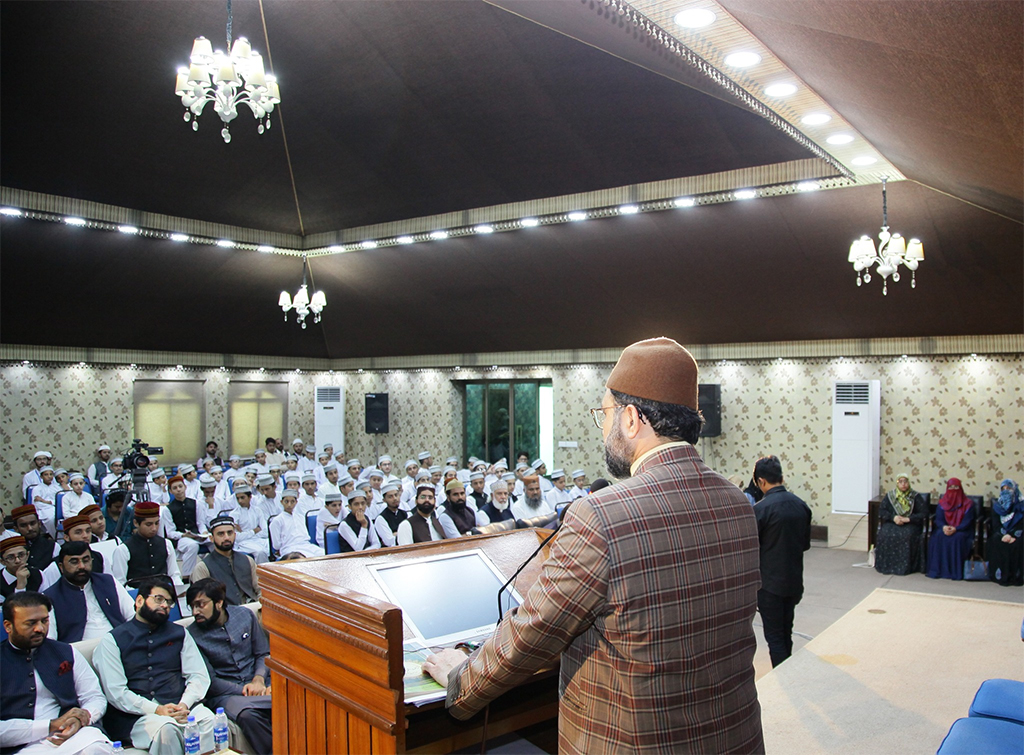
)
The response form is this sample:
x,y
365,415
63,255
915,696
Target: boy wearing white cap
x,y
309,499
579,484
98,469
288,533
39,460
72,503
158,492
113,478
558,495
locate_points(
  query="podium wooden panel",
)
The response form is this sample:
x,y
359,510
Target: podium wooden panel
x,y
337,662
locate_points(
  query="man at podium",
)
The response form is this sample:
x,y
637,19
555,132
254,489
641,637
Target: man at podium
x,y
648,590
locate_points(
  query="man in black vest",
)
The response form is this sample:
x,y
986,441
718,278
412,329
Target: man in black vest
x,y
423,525
99,469
78,529
236,571
387,521
784,533
498,509
476,497
184,529
41,547
153,675
85,604
69,699
455,507
235,648
146,553
17,575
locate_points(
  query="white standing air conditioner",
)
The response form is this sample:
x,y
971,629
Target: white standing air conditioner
x,y
856,431
329,417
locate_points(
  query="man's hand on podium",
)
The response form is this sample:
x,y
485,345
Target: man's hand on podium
x,y
441,664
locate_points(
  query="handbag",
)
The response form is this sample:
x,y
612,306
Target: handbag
x,y
975,570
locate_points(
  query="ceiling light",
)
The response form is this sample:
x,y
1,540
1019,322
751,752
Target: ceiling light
x,y
81,364
782,89
807,186
439,235
180,367
840,139
684,202
576,216
816,119
10,211
484,228
228,80
336,248
74,221
893,251
745,194
404,239
302,303
743,59
369,245
264,248
865,160
127,229
179,237
529,222
26,362
628,209
695,18
226,243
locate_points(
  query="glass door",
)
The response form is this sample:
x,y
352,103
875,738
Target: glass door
x,y
502,420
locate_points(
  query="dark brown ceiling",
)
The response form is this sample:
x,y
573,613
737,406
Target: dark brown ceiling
x,y
396,110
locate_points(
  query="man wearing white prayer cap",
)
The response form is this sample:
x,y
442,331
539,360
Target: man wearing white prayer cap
x,y
558,495
113,478
234,468
476,498
260,456
426,459
298,447
387,519
309,500
323,459
386,465
98,469
355,468
579,484
498,508
39,460
330,484
307,460
541,470
408,499
411,468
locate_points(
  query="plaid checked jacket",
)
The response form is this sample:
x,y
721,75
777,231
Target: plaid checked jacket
x,y
648,593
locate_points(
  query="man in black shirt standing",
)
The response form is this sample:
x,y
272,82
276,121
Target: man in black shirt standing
x,y
784,532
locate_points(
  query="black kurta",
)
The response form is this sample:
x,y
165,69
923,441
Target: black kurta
x,y
898,547
1005,560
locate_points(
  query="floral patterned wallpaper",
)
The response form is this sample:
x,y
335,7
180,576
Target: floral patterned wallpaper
x,y
941,416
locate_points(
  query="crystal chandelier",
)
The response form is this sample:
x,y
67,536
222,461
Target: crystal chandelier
x,y
226,80
893,250
301,302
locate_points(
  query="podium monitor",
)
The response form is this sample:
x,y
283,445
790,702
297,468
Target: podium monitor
x,y
446,598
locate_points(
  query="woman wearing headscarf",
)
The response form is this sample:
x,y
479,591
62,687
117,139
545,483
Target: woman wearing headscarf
x,y
953,534
901,515
1005,544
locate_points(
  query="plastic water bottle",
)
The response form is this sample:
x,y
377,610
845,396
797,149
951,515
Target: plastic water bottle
x,y
116,746
220,731
192,746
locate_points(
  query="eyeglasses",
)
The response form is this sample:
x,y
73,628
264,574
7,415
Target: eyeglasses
x,y
160,600
13,558
599,412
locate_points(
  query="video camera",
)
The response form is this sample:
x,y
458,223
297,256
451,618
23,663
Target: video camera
x,y
137,460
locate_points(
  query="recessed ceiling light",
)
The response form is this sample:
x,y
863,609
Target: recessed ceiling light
x,y
695,18
127,229
684,202
81,364
865,160
484,228
807,186
745,194
575,216
404,239
816,119
529,222
264,248
629,209
74,221
840,139
742,59
226,243
179,237
336,248
439,235
11,211
782,89
369,245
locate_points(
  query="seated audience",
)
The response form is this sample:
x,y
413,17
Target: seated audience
x,y
212,454
86,604
61,476
191,477
902,515
252,528
115,477
953,534
49,694
541,471
579,484
532,503
1005,542
558,495
329,517
98,469
101,542
234,569
309,500
209,506
18,575
32,477
117,525
387,521
181,524
288,534
356,531
498,508
455,506
78,529
235,649
476,496
154,676
44,498
423,524
77,499
145,553
41,547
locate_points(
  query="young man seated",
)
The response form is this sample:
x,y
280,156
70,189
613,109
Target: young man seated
x,y
145,553
288,534
18,576
86,604
423,524
235,570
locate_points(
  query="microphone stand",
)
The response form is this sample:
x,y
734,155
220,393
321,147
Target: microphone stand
x,y
513,577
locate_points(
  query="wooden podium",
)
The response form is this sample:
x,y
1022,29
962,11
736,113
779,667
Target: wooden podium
x,y
336,656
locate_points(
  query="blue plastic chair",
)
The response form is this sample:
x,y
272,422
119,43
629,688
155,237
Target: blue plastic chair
x,y
311,526
999,698
59,506
983,736
333,541
28,494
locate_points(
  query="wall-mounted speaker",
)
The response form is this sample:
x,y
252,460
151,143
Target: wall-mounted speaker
x,y
709,399
377,418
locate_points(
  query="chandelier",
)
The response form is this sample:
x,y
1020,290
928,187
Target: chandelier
x,y
227,80
301,302
893,251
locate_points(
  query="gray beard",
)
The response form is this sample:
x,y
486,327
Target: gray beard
x,y
533,503
616,455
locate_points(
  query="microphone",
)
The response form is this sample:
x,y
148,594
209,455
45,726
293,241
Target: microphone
x,y
513,577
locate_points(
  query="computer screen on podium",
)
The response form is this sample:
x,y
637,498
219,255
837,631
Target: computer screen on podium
x,y
446,598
